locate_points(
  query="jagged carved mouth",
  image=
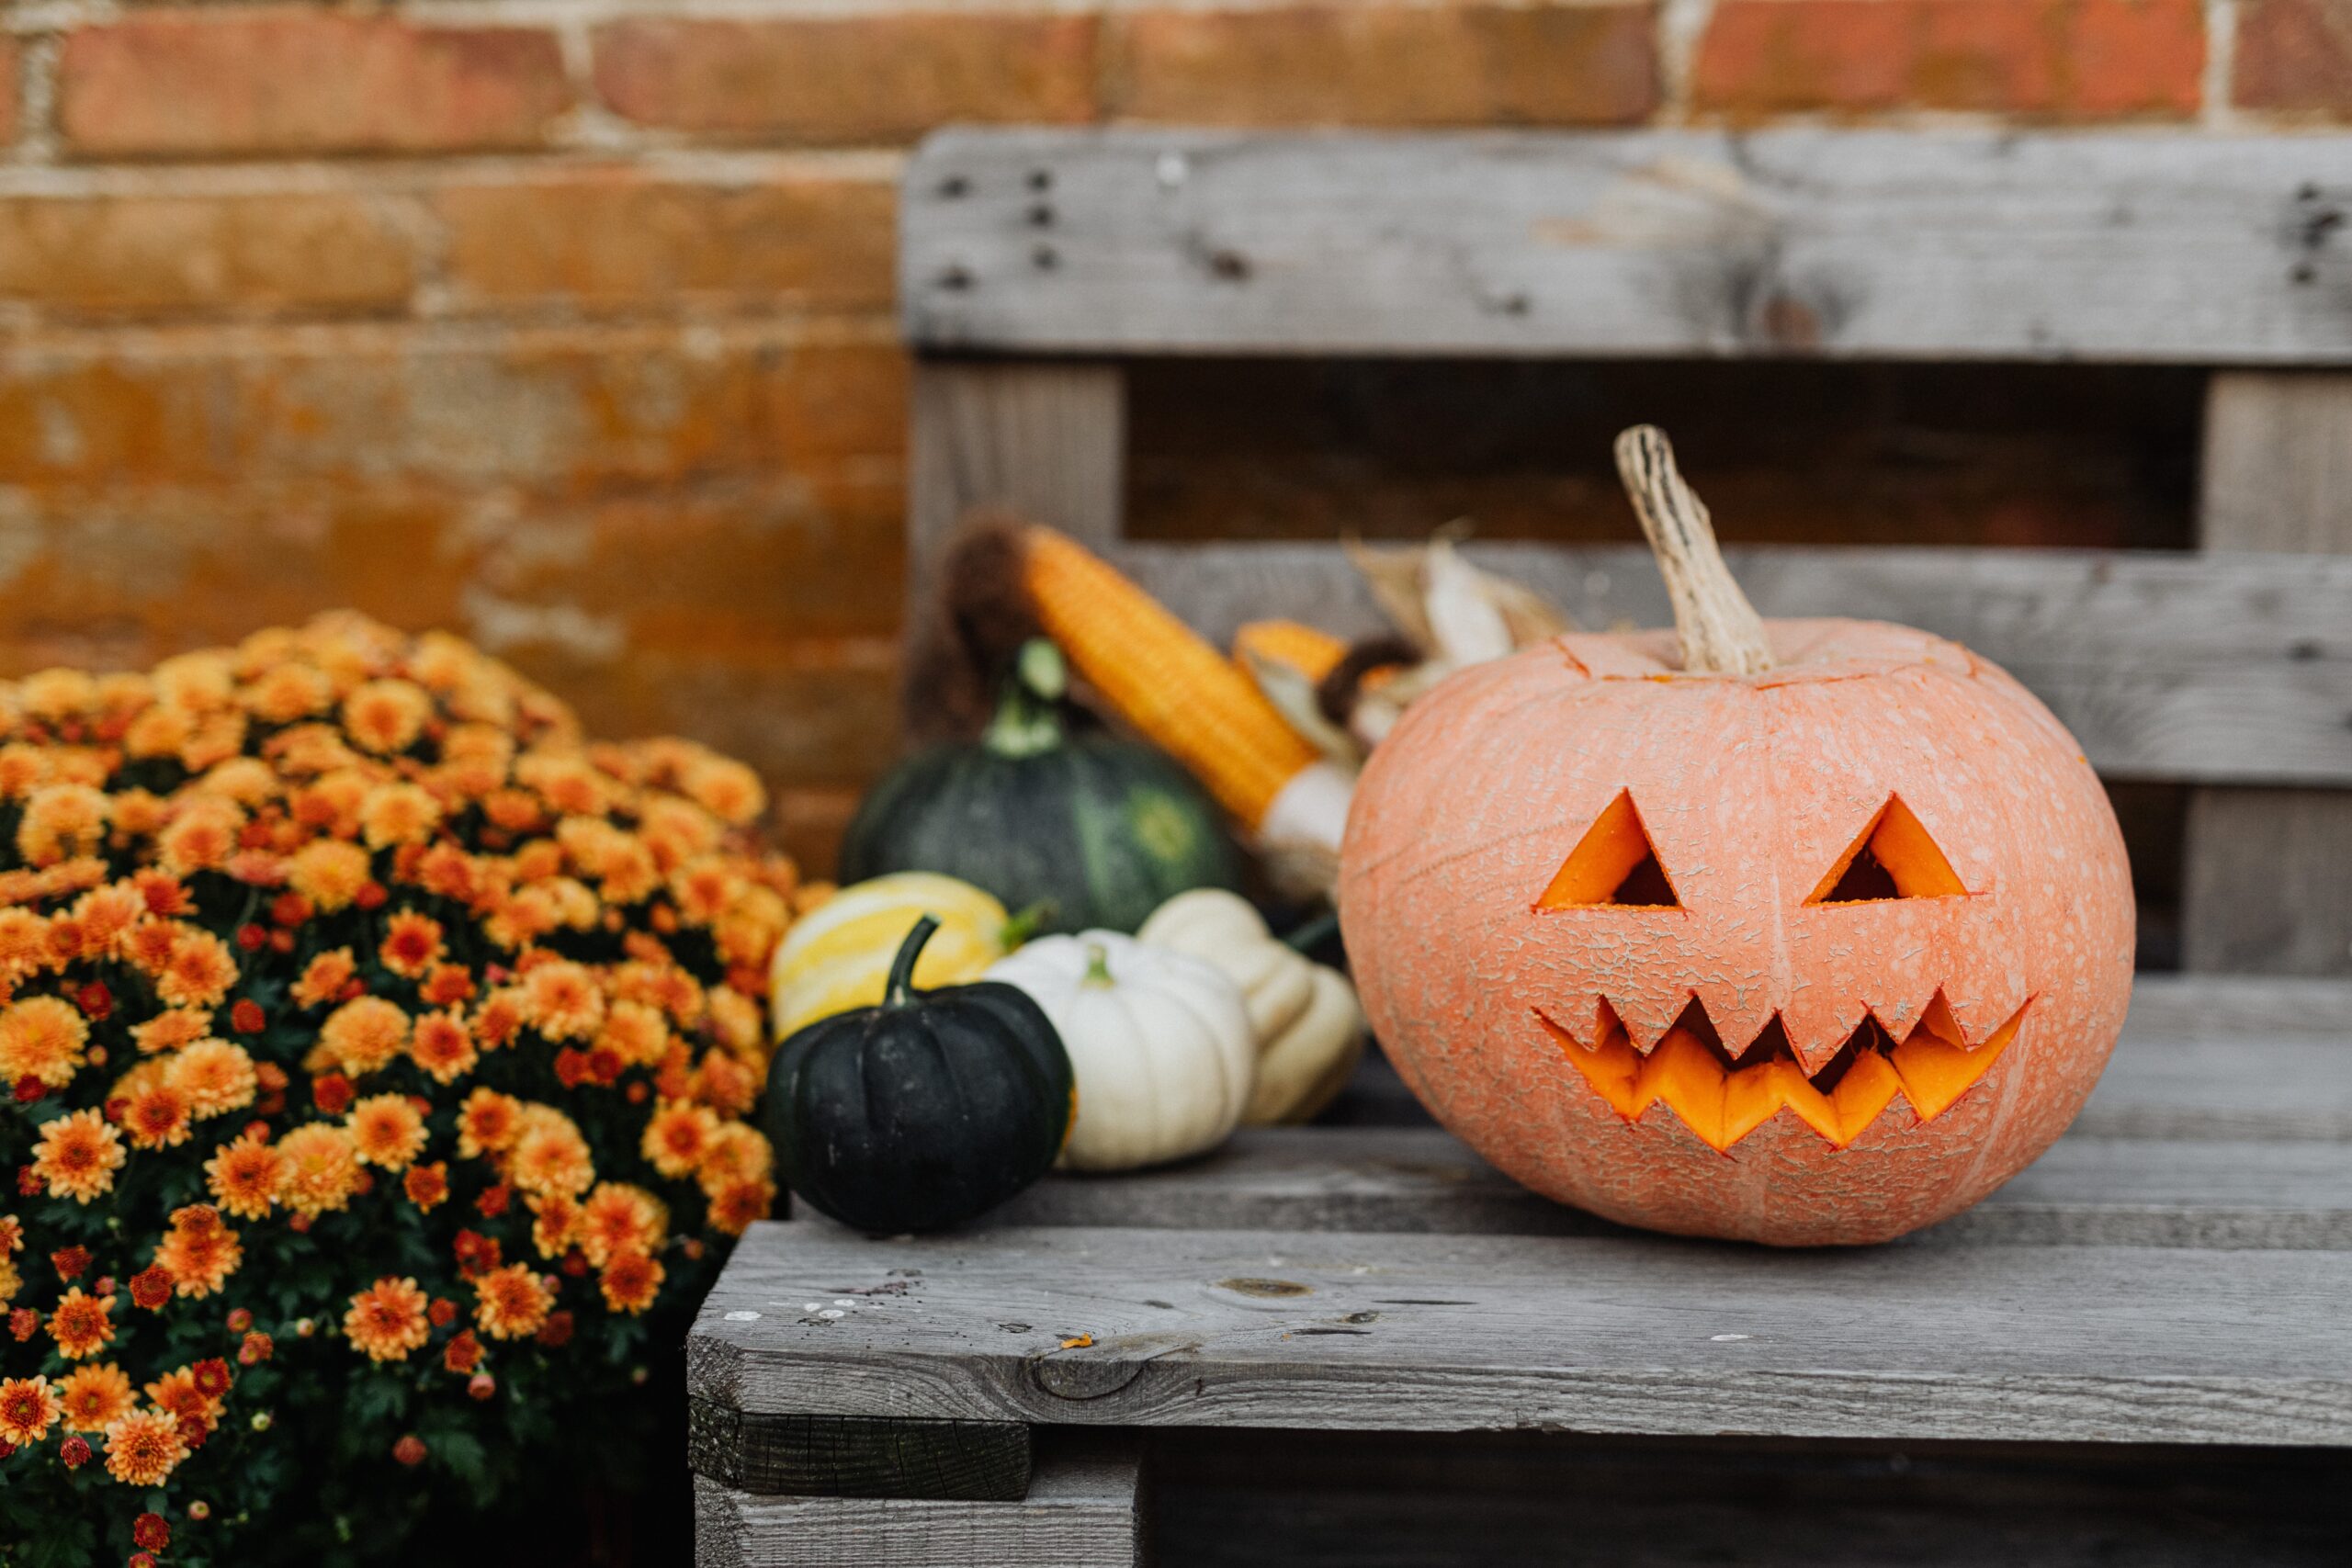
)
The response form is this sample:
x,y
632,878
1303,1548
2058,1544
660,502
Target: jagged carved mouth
x,y
1722,1097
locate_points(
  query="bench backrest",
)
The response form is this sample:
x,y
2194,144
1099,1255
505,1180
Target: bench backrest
x,y
1034,262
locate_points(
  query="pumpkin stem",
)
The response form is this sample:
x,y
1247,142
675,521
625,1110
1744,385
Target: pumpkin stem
x,y
1028,716
1720,630
899,989
1098,965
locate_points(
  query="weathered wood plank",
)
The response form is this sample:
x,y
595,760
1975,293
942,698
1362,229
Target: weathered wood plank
x,y
855,1456
1048,441
1346,1500
2087,1190
2187,1005
2183,248
2211,668
1084,1510
1345,1330
2267,882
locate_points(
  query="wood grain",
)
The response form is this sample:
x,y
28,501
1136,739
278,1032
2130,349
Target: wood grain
x,y
2140,247
763,1453
2212,1193
2267,882
1084,1510
1046,441
1346,1330
2211,668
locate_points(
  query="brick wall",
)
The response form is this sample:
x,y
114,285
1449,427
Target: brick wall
x,y
566,322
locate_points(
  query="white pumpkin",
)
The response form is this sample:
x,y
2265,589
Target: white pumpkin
x,y
1160,1044
1308,1026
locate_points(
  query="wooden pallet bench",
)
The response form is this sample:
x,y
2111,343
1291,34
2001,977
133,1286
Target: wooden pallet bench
x,y
2172,1277
1355,1343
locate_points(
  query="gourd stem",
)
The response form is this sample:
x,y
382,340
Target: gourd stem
x,y
1028,714
1720,629
1098,965
899,990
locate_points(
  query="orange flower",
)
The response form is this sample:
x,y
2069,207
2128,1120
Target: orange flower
x,y
619,1218
563,1001
448,984
443,1046
177,1395
411,943
157,1116
77,1156
285,693
169,1030
463,1353
398,814
677,1135
736,1152
94,1398
386,717
725,787
499,1017
509,1302
488,1123
636,1033
364,1034
43,1037
734,1207
631,1281
216,1076
555,1220
144,1447
328,871
198,1251
386,1320
61,820
323,980
321,1168
82,1325
149,945
550,1155
201,971
245,1176
24,943
28,1408
386,1131
427,1186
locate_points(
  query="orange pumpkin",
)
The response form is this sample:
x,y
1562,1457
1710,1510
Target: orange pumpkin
x,y
1797,931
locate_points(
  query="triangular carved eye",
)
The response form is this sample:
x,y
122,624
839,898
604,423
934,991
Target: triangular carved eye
x,y
1893,859
1614,863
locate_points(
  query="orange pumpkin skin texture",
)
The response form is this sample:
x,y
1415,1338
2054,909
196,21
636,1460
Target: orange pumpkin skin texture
x,y
1538,1024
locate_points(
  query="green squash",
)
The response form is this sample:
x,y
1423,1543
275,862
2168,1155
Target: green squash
x,y
1088,831
924,1111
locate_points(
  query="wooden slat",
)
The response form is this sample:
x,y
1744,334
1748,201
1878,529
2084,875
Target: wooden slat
x,y
2211,1193
1084,1510
2267,882
2213,668
2138,247
2187,1005
1352,1331
857,1456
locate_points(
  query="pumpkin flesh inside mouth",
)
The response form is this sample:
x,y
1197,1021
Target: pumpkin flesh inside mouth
x,y
1721,1099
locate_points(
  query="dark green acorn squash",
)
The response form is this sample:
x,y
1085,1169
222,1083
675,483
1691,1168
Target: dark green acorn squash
x,y
924,1111
1088,831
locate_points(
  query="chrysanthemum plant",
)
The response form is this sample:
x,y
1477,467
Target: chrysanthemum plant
x,y
378,1055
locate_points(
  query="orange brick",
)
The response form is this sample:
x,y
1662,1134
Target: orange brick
x,y
846,79
2063,59
566,409
154,254
808,823
619,239
2296,56
1385,64
285,79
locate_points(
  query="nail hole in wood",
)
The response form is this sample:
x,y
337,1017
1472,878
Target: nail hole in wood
x,y
1041,179
954,185
956,278
1230,266
1045,258
1041,216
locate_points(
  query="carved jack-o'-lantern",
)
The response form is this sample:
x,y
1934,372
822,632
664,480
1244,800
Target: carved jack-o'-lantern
x,y
1800,931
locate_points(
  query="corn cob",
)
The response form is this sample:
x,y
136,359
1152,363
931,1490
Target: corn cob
x,y
1173,687
1309,652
